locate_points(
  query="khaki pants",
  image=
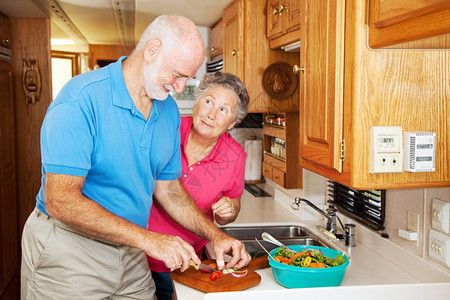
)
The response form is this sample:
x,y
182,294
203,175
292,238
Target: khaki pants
x,y
59,263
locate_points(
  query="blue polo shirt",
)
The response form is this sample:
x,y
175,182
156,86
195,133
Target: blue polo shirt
x,y
93,130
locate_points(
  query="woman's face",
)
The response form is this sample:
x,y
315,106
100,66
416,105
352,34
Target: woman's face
x,y
214,112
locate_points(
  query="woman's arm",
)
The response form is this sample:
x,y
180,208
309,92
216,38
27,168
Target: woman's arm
x,y
179,205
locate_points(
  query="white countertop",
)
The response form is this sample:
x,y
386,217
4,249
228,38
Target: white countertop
x,y
378,268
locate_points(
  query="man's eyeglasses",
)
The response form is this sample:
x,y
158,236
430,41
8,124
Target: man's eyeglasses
x,y
179,76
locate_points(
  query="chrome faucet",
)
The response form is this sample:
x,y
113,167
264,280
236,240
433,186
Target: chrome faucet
x,y
330,213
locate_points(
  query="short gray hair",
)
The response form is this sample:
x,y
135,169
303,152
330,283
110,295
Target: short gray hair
x,y
231,82
169,29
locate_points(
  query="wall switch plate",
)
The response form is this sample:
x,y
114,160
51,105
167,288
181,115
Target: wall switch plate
x,y
439,247
413,221
440,215
386,149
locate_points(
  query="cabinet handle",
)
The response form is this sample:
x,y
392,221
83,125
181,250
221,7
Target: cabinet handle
x,y
275,11
213,49
297,69
5,41
283,7
234,52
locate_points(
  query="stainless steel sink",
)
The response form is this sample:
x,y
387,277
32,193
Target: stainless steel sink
x,y
250,232
288,235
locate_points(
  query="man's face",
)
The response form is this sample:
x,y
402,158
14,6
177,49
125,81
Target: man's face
x,y
163,76
155,81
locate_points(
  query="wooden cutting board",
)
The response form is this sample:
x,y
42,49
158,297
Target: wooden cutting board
x,y
200,281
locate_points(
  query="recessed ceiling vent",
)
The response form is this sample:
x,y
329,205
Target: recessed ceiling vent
x,y
59,17
124,11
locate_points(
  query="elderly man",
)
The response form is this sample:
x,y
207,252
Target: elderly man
x,y
110,144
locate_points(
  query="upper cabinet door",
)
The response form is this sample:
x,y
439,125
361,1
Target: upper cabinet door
x,y
397,21
283,22
216,40
233,24
292,12
321,83
275,26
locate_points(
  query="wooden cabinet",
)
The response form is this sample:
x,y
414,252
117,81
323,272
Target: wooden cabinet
x,y
283,22
346,88
321,84
280,146
5,29
233,48
216,40
9,236
102,55
12,291
247,54
397,21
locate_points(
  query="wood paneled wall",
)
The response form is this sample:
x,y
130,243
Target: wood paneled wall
x,y
107,52
30,40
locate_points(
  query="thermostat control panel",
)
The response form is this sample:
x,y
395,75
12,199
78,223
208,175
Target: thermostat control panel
x,y
386,149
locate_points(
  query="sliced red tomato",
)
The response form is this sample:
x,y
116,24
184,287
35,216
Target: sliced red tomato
x,y
216,274
213,276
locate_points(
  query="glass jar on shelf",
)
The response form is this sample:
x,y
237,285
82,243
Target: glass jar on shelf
x,y
279,121
272,145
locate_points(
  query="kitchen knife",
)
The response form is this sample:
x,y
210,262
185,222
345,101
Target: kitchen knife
x,y
202,267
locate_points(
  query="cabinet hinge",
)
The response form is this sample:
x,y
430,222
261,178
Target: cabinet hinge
x,y
342,150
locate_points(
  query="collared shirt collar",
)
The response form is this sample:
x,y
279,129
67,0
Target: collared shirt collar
x,y
217,154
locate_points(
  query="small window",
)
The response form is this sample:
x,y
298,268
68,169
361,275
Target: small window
x,y
65,65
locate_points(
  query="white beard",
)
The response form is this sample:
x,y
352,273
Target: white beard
x,y
153,89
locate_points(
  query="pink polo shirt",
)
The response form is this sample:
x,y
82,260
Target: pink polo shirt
x,y
221,173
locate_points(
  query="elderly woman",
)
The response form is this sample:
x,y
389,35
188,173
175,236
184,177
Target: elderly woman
x,y
213,165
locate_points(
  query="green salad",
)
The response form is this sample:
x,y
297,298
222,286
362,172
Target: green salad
x,y
308,258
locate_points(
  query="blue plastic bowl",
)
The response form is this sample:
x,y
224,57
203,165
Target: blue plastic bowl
x,y
298,277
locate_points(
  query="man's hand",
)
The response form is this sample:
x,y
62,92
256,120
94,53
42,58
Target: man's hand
x,y
172,251
225,244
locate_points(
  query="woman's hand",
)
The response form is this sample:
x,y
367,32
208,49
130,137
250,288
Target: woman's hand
x,y
224,244
226,210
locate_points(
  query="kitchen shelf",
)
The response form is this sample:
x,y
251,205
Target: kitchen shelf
x,y
285,172
274,156
274,125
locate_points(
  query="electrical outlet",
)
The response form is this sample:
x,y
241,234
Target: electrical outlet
x,y
440,215
413,221
439,247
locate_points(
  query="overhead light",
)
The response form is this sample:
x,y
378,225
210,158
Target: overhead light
x,y
294,47
52,9
124,11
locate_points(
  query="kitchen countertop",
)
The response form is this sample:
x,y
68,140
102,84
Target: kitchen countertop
x,y
378,268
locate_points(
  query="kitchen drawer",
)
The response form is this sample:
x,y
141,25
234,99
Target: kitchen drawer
x,y
267,170
278,176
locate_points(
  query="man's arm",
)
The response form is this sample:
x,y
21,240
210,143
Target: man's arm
x,y
65,202
174,199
